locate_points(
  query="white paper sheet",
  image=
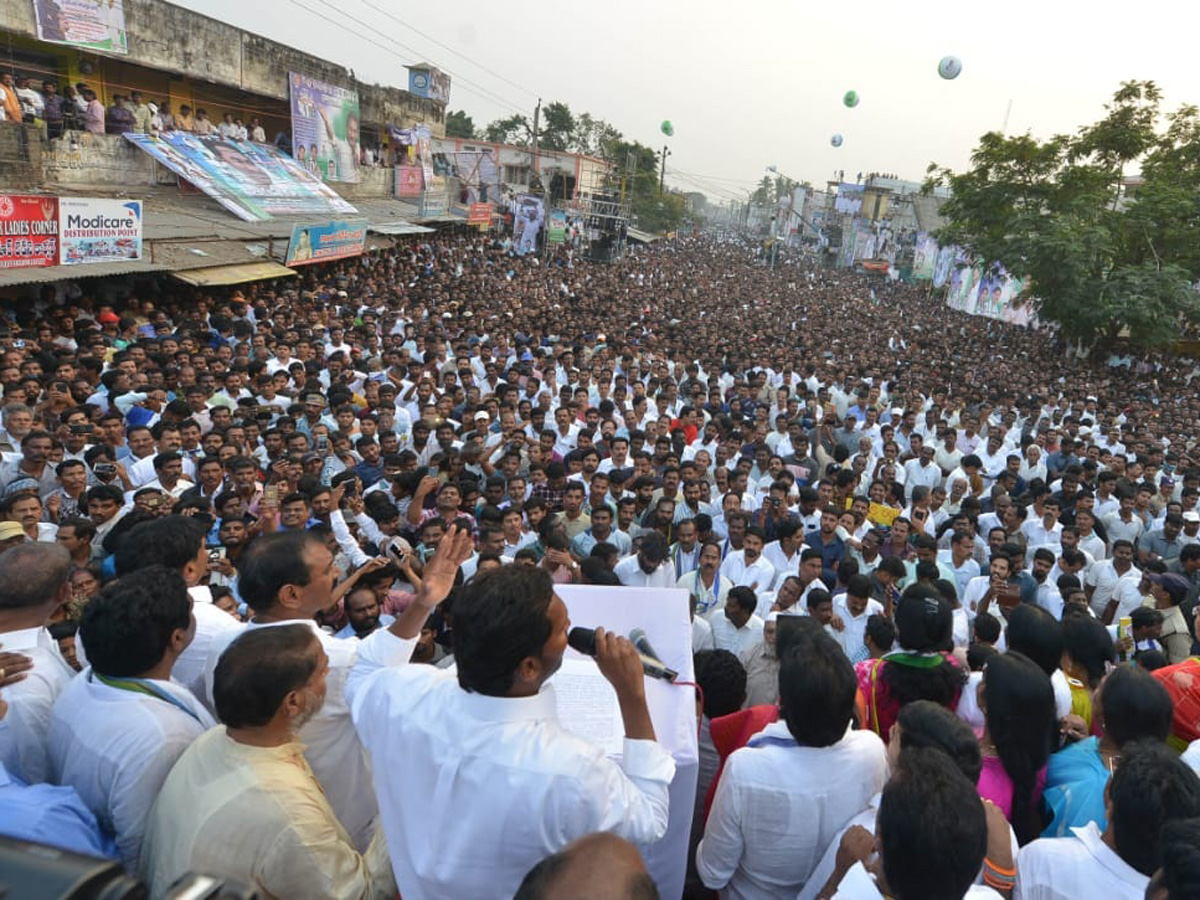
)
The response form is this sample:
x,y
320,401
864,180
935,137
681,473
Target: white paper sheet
x,y
587,705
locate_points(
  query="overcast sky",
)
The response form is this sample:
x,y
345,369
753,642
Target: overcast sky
x,y
759,82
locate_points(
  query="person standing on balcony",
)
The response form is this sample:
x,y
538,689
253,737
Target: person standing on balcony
x,y
93,117
120,118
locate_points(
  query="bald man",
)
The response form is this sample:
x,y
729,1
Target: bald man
x,y
597,866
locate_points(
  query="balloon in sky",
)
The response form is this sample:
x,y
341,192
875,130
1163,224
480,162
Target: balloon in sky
x,y
667,128
850,98
836,140
950,67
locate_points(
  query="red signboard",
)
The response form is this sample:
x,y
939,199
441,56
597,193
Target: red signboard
x,y
28,231
480,214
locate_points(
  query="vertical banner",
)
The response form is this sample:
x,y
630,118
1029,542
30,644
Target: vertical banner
x,y
408,181
99,230
556,231
925,252
90,24
325,128
527,222
28,231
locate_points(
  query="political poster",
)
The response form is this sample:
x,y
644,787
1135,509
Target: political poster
x,y
408,181
435,203
556,231
432,84
255,182
325,128
93,229
528,217
849,199
90,24
925,252
28,231
321,243
480,214
944,266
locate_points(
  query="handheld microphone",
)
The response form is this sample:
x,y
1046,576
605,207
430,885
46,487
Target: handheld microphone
x,y
584,641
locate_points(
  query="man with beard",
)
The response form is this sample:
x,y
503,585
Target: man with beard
x,y
242,802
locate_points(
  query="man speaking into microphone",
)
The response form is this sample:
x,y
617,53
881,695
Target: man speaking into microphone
x,y
477,781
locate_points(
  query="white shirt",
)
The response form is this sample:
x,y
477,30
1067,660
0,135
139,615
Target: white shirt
x,y
141,473
962,574
851,637
116,747
736,640
505,784
631,575
709,599
778,807
759,574
330,744
702,636
781,562
212,624
1107,583
24,731
1070,867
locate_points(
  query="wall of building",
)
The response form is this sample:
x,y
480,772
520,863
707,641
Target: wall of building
x,y
82,161
167,41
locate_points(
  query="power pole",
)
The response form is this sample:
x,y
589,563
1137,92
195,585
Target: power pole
x,y
537,116
662,177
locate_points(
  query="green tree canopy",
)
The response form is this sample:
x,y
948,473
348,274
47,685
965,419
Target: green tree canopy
x,y
1104,253
459,125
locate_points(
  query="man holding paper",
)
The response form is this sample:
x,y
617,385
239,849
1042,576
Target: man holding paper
x,y
505,785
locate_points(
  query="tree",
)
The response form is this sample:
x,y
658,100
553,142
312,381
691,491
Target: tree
x,y
653,211
459,125
1102,259
594,137
557,126
513,130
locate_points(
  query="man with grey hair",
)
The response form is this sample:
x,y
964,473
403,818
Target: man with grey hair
x,y
34,583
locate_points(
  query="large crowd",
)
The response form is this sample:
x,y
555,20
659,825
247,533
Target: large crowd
x,y
279,574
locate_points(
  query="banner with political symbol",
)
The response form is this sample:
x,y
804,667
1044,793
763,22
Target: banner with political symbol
x,y
90,24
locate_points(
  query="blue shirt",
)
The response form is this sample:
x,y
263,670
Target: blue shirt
x,y
48,814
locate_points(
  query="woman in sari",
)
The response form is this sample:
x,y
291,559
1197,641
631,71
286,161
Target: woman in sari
x,y
1131,704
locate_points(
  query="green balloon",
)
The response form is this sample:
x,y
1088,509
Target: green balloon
x,y
850,99
667,128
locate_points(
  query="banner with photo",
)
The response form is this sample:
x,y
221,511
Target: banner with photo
x,y
90,24
944,266
529,213
28,231
556,231
408,181
94,230
255,182
992,292
849,199
845,255
325,128
321,243
432,84
925,253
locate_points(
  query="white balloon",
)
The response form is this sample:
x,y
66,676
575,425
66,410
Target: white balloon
x,y
950,67
836,140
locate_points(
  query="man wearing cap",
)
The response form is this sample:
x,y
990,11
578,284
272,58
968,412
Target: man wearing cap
x,y
1191,527
648,566
1169,591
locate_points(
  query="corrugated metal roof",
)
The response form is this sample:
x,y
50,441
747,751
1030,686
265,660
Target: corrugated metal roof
x,y
236,274
38,275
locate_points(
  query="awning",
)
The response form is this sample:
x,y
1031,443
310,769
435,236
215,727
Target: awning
x,y
400,228
42,274
642,237
237,274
